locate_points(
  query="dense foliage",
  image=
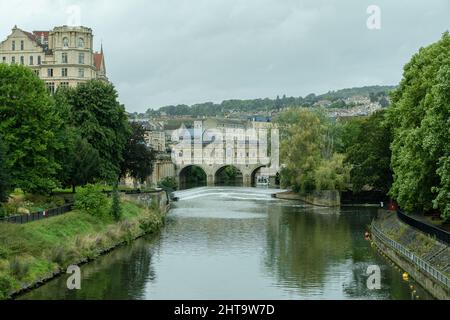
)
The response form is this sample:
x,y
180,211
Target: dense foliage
x,y
92,200
28,125
78,136
420,116
102,122
168,183
116,209
308,153
367,147
4,176
138,156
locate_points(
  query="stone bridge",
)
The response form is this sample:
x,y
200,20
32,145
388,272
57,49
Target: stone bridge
x,y
211,171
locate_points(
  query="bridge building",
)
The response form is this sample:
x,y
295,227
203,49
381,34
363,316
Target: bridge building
x,y
213,145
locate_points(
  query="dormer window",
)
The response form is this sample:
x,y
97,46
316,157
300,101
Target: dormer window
x,y
66,43
80,43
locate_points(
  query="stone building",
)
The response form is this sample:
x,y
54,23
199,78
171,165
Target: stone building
x,y
61,57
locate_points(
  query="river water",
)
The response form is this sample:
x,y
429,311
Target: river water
x,y
236,243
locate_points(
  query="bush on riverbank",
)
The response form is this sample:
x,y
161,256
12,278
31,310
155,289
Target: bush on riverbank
x,y
92,200
34,251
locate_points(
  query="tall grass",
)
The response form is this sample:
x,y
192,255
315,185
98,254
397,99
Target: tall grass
x,y
32,251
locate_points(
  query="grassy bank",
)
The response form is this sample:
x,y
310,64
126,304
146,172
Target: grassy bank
x,y
36,251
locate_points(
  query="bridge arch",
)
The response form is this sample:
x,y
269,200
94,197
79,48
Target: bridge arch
x,y
254,175
192,176
229,175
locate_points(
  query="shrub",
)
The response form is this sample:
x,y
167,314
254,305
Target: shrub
x,y
116,210
4,253
168,183
91,199
6,285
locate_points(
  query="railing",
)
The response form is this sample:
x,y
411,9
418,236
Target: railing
x,y
418,262
431,230
26,218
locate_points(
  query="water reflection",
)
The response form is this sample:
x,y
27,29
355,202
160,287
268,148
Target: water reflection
x,y
237,243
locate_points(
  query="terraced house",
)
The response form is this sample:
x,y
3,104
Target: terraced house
x,y
62,57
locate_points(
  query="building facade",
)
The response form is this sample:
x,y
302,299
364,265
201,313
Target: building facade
x,y
62,57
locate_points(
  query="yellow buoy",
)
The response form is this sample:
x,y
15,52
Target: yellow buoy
x,y
405,276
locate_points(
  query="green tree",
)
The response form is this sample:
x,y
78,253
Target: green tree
x,y
102,121
307,152
78,159
28,122
369,154
4,175
82,163
116,210
138,157
420,118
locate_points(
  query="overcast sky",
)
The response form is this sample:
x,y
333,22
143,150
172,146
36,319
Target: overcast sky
x,y
162,52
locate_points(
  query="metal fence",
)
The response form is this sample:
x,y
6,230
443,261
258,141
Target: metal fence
x,y
431,230
418,262
26,218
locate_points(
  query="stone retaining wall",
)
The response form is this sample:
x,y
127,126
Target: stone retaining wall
x,y
316,198
434,252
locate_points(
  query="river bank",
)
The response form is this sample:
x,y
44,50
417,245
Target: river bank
x,y
424,258
316,198
232,243
34,253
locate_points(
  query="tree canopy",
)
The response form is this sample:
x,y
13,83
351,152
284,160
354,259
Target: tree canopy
x,y
368,152
4,175
138,156
28,123
420,116
102,122
307,153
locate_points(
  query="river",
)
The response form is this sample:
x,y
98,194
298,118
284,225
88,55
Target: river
x,y
236,243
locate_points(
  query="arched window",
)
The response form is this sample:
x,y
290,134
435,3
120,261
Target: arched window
x,y
80,43
65,43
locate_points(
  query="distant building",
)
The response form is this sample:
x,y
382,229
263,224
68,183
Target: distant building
x,y
62,57
156,140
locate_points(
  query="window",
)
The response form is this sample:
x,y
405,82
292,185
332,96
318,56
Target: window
x,y
50,73
81,58
37,72
81,73
51,87
64,72
39,60
22,60
80,43
22,45
65,43
64,85
64,58
31,60
13,60
4,59
13,46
